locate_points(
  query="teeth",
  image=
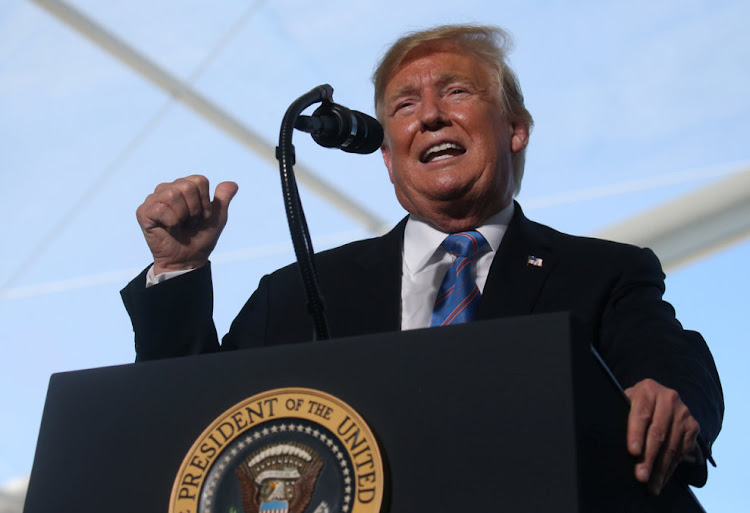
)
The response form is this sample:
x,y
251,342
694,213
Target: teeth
x,y
442,147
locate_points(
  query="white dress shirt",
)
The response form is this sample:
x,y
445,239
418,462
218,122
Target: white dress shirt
x,y
425,263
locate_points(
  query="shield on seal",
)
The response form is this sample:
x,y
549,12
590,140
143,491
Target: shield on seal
x,y
274,507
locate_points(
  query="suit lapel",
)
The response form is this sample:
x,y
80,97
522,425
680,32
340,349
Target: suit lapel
x,y
381,267
513,284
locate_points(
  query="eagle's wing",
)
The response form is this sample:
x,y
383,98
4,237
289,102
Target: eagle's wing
x,y
250,501
304,488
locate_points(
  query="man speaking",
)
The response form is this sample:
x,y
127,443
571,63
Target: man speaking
x,y
456,130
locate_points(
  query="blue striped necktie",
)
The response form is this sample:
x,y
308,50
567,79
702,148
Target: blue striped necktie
x,y
458,298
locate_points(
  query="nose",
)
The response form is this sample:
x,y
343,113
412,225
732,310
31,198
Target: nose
x,y
432,113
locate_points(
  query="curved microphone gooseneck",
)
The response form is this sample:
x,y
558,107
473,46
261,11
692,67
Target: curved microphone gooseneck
x,y
331,126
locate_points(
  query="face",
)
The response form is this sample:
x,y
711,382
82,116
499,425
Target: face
x,y
447,144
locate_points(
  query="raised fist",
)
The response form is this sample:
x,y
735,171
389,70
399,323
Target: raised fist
x,y
181,223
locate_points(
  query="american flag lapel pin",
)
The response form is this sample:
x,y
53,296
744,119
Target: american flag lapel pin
x,y
535,261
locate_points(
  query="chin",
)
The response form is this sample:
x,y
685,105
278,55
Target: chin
x,y
448,189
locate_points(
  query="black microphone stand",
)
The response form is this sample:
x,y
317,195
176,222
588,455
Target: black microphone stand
x,y
295,215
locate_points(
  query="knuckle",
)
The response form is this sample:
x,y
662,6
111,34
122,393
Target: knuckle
x,y
171,194
146,209
657,434
158,210
197,179
645,388
196,183
672,396
693,429
684,417
162,186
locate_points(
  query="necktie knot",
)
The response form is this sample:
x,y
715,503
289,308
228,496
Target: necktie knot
x,y
464,244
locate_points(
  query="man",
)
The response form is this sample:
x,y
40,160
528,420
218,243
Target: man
x,y
455,134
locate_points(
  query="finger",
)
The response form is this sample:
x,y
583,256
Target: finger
x,y
169,197
661,443
680,443
194,190
204,194
155,212
666,461
639,418
690,437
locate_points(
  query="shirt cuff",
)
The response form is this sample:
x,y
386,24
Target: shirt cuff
x,y
154,279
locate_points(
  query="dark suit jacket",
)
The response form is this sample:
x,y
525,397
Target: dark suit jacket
x,y
614,290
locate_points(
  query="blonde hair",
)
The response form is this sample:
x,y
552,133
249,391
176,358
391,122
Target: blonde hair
x,y
489,44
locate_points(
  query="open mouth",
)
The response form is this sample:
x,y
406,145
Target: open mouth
x,y
442,151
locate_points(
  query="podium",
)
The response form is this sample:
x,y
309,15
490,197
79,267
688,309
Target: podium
x,y
513,415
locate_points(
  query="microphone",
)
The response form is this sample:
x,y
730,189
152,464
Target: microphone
x,y
334,126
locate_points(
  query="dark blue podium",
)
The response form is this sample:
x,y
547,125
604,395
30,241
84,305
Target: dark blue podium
x,y
512,415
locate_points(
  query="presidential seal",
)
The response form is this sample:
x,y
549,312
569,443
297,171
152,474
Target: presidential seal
x,y
289,450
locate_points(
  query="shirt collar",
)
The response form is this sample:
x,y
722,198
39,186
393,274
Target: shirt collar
x,y
421,240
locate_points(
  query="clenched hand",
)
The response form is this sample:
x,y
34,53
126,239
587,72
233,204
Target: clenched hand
x,y
181,223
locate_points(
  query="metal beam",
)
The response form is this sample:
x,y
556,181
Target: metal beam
x,y
692,226
204,107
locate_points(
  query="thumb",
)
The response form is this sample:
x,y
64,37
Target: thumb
x,y
225,191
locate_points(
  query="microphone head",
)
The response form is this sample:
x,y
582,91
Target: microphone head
x,y
368,134
349,130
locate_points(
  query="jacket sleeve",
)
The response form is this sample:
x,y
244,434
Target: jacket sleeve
x,y
173,318
641,338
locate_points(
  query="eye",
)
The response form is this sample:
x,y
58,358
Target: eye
x,y
403,107
458,91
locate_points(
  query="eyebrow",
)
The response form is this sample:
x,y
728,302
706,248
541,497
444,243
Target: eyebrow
x,y
442,80
448,78
405,90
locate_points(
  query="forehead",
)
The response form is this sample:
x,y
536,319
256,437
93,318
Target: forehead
x,y
434,63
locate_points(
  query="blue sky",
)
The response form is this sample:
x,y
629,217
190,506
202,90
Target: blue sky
x,y
622,92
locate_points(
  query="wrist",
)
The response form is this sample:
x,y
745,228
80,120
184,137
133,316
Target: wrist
x,y
162,267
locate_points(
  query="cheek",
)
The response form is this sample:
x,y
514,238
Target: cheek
x,y
400,134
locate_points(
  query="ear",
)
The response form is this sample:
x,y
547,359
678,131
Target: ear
x,y
385,150
519,136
